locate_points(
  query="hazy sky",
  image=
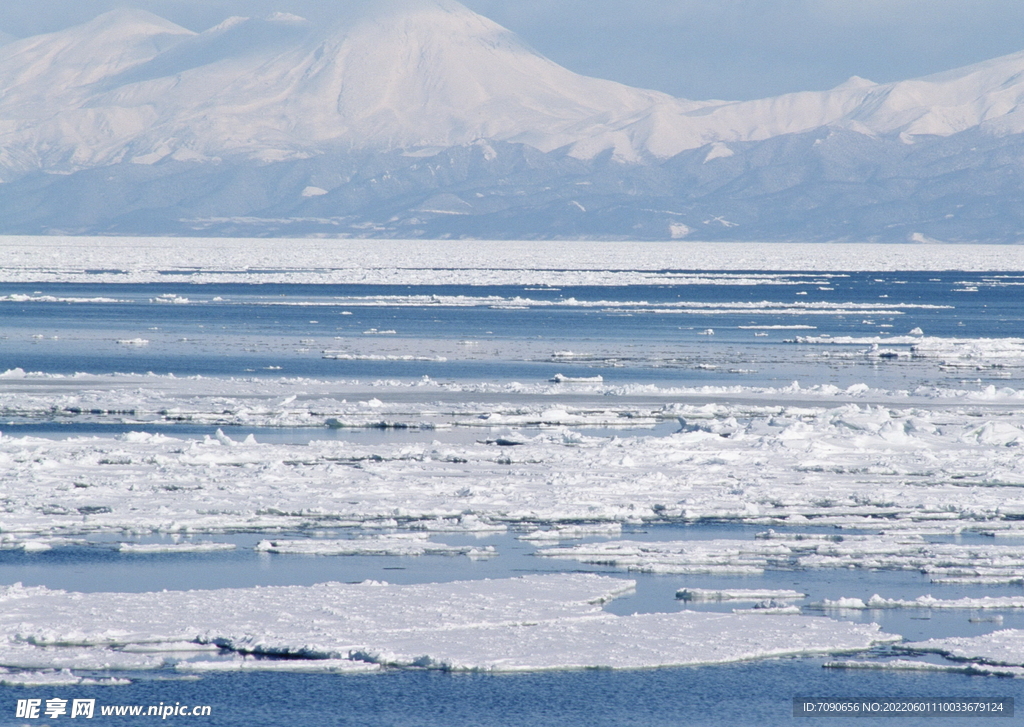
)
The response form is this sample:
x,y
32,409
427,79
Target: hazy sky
x,y
732,49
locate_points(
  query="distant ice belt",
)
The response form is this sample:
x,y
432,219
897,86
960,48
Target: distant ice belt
x,y
410,262
519,624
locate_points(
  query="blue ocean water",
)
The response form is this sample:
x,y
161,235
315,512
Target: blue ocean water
x,y
627,336
737,695
284,330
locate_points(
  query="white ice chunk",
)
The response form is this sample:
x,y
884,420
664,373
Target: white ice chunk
x,y
910,665
398,544
738,594
573,532
142,548
527,623
563,379
1005,648
55,678
316,666
876,601
778,551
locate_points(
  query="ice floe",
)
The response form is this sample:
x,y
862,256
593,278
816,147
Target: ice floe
x,y
916,345
146,548
926,666
876,601
779,551
1001,648
518,624
573,532
738,594
54,678
398,544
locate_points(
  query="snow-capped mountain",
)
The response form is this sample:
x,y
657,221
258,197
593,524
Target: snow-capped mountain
x,y
130,86
406,114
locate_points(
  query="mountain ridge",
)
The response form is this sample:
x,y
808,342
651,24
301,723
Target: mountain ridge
x,y
401,86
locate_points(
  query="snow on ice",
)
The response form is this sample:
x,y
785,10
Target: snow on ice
x,y
1001,648
906,466
412,262
527,623
397,544
910,551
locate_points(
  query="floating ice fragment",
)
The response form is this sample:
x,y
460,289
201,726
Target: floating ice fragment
x,y
877,602
771,607
738,594
399,544
1003,648
909,665
54,678
465,523
783,551
573,532
145,548
170,298
563,379
311,666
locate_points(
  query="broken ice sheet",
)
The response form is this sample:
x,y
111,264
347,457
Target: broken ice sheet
x,y
516,624
926,666
738,594
876,467
54,678
1001,648
397,544
574,532
878,602
787,551
150,548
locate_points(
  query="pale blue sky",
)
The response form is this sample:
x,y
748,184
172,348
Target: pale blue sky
x,y
694,48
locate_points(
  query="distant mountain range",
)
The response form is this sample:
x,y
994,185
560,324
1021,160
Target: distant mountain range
x,y
420,118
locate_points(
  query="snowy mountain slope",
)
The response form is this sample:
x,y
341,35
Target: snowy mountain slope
x,y
420,117
46,83
987,95
410,75
402,74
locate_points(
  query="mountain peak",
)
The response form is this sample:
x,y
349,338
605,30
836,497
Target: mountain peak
x,y
400,75
131,21
854,82
286,18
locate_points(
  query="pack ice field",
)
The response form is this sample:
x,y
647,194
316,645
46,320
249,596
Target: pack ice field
x,y
337,457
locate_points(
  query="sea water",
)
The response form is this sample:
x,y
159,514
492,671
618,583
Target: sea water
x,y
736,695
694,335
697,334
